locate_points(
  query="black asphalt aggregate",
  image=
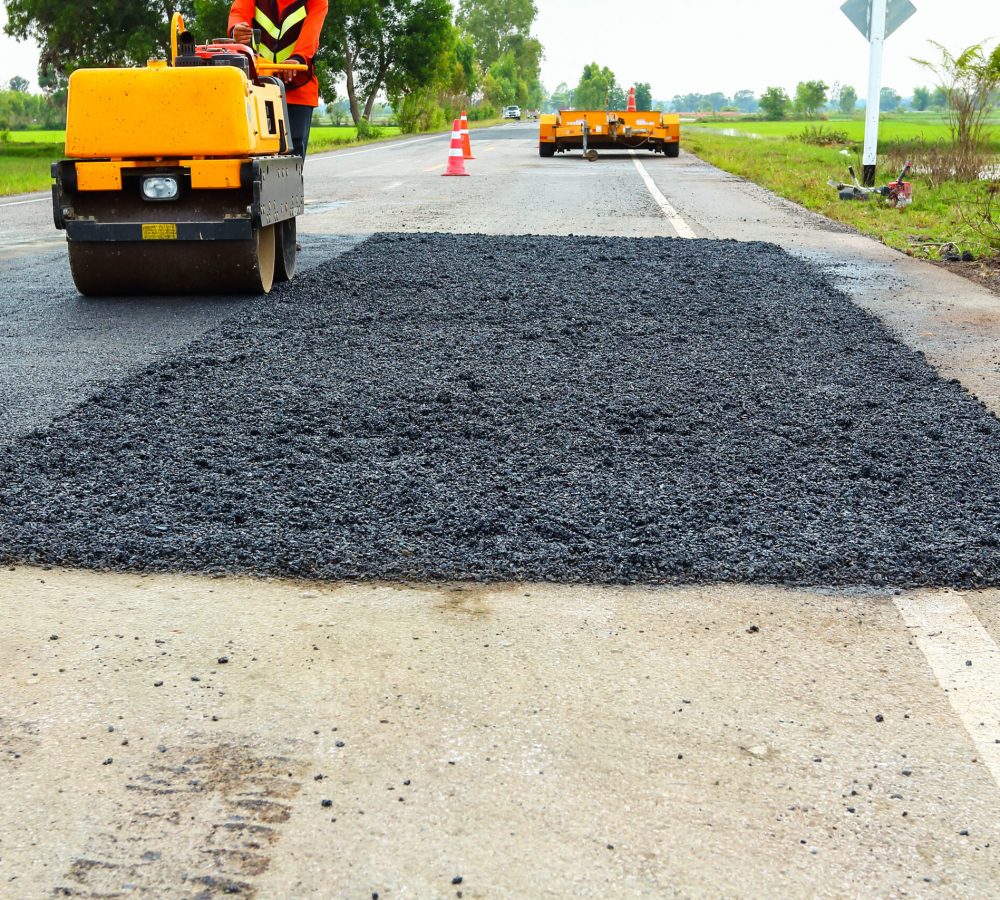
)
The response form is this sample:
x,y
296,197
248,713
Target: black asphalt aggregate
x,y
527,408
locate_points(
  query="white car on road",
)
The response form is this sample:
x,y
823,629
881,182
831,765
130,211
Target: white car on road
x,y
511,112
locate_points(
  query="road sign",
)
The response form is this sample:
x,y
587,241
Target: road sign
x,y
860,13
876,20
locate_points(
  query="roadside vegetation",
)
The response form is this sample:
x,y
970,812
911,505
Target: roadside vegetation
x,y
403,67
794,148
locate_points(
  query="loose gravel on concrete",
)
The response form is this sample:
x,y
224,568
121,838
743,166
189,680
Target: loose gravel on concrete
x,y
570,409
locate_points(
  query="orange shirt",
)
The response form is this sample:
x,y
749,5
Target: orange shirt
x,y
306,45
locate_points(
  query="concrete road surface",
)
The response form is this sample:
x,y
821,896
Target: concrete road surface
x,y
186,736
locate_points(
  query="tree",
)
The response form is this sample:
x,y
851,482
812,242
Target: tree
x,y
970,80
745,101
848,99
494,24
921,98
595,87
112,33
391,45
643,95
810,97
939,98
561,98
889,100
19,85
774,102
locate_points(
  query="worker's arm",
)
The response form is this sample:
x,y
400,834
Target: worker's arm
x,y
241,15
308,42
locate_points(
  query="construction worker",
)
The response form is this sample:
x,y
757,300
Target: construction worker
x,y
289,32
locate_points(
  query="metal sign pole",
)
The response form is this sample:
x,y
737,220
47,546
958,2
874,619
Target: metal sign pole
x,y
876,38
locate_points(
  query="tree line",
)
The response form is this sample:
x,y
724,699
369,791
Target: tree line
x,y
427,57
598,88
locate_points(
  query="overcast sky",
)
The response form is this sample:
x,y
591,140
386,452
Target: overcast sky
x,y
684,46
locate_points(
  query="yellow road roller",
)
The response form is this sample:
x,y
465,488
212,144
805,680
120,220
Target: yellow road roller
x,y
592,130
180,177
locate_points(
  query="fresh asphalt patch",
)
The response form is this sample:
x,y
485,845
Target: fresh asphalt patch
x,y
524,408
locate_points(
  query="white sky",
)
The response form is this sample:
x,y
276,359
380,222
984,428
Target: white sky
x,y
682,46
688,46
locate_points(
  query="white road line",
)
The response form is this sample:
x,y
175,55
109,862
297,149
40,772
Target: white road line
x,y
680,226
966,662
337,154
22,202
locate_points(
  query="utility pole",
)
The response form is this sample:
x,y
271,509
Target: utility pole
x,y
876,40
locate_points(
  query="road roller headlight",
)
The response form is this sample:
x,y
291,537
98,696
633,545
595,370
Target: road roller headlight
x,y
160,187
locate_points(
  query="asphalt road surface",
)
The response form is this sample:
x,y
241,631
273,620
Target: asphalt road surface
x,y
627,613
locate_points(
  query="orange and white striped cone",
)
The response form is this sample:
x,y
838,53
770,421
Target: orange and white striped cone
x,y
466,143
631,100
456,162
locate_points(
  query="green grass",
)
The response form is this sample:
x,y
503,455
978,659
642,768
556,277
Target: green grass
x,y
800,171
26,166
37,137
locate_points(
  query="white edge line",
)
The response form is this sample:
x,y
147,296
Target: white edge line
x,y
679,225
391,145
22,202
952,638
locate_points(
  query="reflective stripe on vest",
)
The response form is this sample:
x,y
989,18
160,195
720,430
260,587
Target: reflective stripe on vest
x,y
278,39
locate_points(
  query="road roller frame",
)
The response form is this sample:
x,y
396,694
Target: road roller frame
x,y
593,130
180,178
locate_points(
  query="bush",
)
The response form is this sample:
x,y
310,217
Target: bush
x,y
418,112
819,136
482,112
368,132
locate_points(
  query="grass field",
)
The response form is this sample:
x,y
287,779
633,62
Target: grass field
x,y
25,166
800,171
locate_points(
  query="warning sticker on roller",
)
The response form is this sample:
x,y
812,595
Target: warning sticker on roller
x,y
155,231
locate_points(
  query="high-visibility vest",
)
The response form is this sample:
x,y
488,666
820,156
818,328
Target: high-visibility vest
x,y
279,29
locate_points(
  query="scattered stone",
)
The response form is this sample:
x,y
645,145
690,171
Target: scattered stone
x,y
326,803
368,402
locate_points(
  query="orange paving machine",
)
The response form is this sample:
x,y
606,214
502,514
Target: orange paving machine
x,y
180,177
592,130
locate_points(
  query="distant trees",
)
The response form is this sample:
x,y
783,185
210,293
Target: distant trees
x,y
505,50
19,84
561,97
643,95
810,97
745,101
848,99
391,45
889,100
594,90
921,98
774,103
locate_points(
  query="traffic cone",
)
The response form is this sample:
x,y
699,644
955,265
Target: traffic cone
x,y
466,143
631,100
456,161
